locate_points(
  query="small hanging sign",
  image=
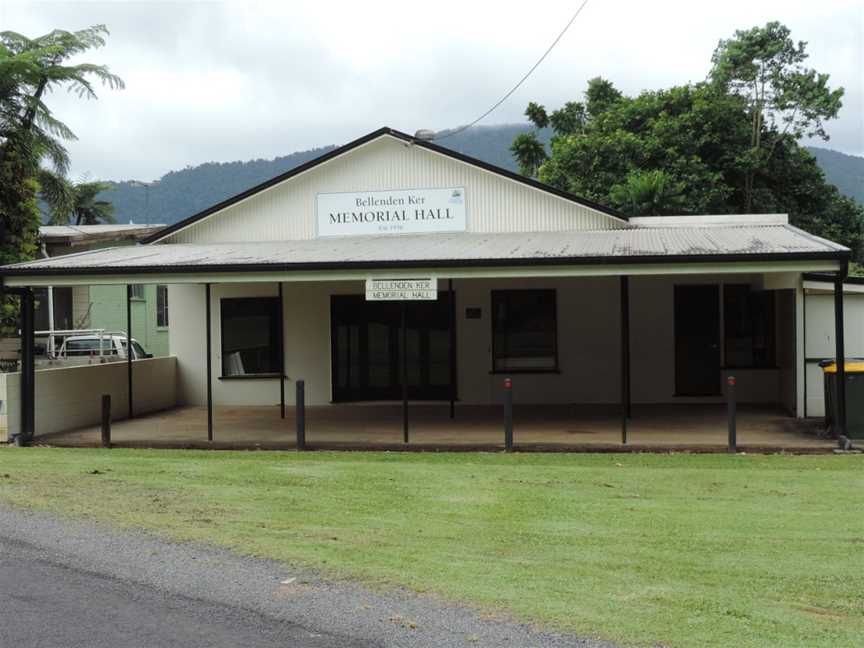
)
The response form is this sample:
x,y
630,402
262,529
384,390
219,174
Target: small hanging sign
x,y
402,289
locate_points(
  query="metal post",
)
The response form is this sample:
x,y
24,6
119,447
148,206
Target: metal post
x,y
51,349
803,376
129,346
404,373
300,417
28,370
732,414
281,352
625,356
209,364
453,370
508,414
840,422
106,420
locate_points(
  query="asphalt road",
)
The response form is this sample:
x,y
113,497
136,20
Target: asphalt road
x,y
46,604
67,583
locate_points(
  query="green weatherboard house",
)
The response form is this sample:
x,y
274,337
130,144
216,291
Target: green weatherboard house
x,y
103,306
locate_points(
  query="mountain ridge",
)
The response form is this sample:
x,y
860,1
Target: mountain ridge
x,y
184,192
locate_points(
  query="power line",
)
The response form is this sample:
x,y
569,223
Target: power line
x,y
522,80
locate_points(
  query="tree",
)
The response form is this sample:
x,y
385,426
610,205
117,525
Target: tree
x,y
600,96
689,150
648,193
529,152
31,68
19,226
766,67
571,119
685,132
29,131
79,204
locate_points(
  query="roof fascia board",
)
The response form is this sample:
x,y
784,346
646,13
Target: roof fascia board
x,y
455,272
827,288
850,279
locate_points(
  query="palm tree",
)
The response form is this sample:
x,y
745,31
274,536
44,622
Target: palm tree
x,y
76,202
529,153
29,68
648,193
31,134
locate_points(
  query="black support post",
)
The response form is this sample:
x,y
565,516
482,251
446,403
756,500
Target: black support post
x,y
209,364
281,352
804,337
28,370
300,414
508,414
106,420
732,414
625,356
453,369
129,347
404,373
840,353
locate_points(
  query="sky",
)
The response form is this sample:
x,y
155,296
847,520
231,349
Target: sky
x,y
225,81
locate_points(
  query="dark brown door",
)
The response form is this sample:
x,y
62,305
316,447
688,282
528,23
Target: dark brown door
x,y
367,348
697,340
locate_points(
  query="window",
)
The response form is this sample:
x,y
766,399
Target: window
x,y
250,336
90,346
62,309
138,351
748,327
524,336
137,291
161,305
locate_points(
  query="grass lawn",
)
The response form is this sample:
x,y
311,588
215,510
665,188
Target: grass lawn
x,y
677,550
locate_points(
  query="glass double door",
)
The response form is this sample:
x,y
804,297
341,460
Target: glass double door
x,y
367,348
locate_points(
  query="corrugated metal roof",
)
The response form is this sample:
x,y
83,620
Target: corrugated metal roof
x,y
458,249
104,228
67,233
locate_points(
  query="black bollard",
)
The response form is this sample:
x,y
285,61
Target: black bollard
x,y
106,420
300,411
732,414
508,414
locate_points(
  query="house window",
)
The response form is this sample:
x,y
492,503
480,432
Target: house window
x,y
62,297
524,335
749,327
161,305
250,336
137,291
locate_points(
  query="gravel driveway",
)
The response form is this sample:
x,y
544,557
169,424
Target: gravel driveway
x,y
102,577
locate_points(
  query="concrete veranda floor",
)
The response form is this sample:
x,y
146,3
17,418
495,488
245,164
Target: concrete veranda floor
x,y
701,428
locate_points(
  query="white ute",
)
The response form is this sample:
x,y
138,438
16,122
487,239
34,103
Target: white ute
x,y
106,348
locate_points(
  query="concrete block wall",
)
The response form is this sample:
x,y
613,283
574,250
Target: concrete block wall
x,y
71,397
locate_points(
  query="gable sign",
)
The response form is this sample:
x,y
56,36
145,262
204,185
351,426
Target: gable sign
x,y
408,211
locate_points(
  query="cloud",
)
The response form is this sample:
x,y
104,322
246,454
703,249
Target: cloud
x,y
239,80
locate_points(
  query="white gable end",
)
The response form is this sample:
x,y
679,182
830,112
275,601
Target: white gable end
x,y
493,203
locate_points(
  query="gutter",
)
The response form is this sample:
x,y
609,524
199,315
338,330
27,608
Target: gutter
x,y
841,256
830,278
